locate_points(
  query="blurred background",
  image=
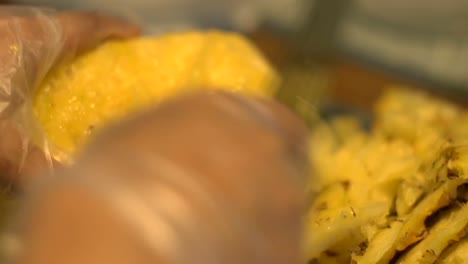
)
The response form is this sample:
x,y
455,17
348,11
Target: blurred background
x,y
339,54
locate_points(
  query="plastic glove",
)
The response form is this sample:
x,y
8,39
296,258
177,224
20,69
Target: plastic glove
x,y
32,41
207,178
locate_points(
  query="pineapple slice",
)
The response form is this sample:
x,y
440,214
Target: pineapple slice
x,y
449,228
457,253
120,78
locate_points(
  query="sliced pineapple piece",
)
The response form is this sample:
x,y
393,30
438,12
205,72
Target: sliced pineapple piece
x,y
457,253
120,78
380,250
451,227
411,229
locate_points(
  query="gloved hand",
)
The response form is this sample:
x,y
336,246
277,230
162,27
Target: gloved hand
x,y
32,41
204,179
213,178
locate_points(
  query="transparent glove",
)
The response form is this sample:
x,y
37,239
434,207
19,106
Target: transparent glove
x,y
32,41
204,179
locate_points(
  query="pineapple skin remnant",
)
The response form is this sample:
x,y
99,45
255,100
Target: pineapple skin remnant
x,y
119,78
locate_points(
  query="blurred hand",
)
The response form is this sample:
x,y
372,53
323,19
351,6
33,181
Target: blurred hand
x,y
32,41
206,178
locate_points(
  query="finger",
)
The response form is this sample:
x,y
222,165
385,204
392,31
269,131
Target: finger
x,y
212,122
239,156
277,117
36,164
20,161
213,119
42,39
85,30
67,224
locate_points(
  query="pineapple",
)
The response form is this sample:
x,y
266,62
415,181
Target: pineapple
x,y
120,78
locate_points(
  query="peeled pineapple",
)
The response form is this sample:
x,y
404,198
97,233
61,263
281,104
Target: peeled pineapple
x,y
396,193
120,78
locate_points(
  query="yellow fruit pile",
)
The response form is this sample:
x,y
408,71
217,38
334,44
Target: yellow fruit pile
x,y
119,78
396,193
